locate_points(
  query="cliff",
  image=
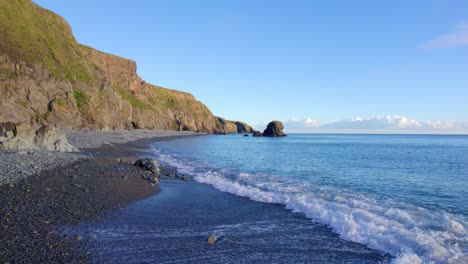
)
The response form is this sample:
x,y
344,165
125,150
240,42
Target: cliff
x,y
232,127
46,77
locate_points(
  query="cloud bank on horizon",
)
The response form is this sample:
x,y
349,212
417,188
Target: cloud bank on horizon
x,y
377,124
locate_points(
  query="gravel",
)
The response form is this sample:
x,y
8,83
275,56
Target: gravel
x,y
16,165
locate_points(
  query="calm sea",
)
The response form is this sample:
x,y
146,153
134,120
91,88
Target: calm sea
x,y
406,195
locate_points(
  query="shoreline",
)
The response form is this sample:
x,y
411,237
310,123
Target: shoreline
x,y
37,210
42,192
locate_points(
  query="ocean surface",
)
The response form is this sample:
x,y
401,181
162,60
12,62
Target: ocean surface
x,y
305,198
405,195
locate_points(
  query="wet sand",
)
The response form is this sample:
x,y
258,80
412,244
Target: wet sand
x,y
173,227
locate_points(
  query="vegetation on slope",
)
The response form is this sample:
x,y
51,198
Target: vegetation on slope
x,y
49,77
35,35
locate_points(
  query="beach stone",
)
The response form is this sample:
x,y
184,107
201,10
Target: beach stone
x,y
154,180
211,240
274,129
148,164
147,175
78,237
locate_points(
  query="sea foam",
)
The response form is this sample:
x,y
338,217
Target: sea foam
x,y
409,233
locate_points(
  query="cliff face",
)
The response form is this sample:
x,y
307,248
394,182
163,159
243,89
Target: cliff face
x,y
48,78
232,127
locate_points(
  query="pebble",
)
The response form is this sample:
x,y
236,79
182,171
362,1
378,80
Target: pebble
x,y
211,240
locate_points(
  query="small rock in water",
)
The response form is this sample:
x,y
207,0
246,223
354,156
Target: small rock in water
x,y
211,239
186,178
78,237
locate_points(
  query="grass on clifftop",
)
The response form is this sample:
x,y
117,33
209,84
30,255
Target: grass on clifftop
x,y
35,35
168,99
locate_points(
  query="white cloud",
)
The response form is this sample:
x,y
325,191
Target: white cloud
x,y
309,122
395,123
384,124
300,124
459,37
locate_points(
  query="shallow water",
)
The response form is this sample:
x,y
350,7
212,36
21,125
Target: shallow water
x,y
173,226
406,195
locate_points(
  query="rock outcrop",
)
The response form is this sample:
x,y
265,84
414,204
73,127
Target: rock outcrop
x,y
232,127
274,129
48,78
30,136
257,134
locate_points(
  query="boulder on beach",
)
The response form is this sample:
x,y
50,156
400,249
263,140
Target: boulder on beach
x,y
29,135
148,165
274,129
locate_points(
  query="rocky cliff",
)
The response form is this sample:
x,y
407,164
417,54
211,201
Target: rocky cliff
x,y
46,77
232,127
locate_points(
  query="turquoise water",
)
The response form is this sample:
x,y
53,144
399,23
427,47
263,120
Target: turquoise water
x,y
406,195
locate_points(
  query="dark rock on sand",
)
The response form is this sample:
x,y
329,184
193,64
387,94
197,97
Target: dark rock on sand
x,y
149,165
257,134
274,129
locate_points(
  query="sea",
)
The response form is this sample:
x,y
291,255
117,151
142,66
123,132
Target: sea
x,y
304,198
406,195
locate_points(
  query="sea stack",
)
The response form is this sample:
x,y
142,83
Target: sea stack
x,y
274,129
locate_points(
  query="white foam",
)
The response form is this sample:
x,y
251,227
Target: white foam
x,y
411,234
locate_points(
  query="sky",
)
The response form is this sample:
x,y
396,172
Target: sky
x,y
318,66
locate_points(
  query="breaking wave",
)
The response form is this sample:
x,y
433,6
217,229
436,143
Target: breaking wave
x,y
409,233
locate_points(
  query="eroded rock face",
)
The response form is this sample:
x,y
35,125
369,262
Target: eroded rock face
x,y
25,136
274,129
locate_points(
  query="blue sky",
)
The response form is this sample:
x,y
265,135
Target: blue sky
x,y
311,64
